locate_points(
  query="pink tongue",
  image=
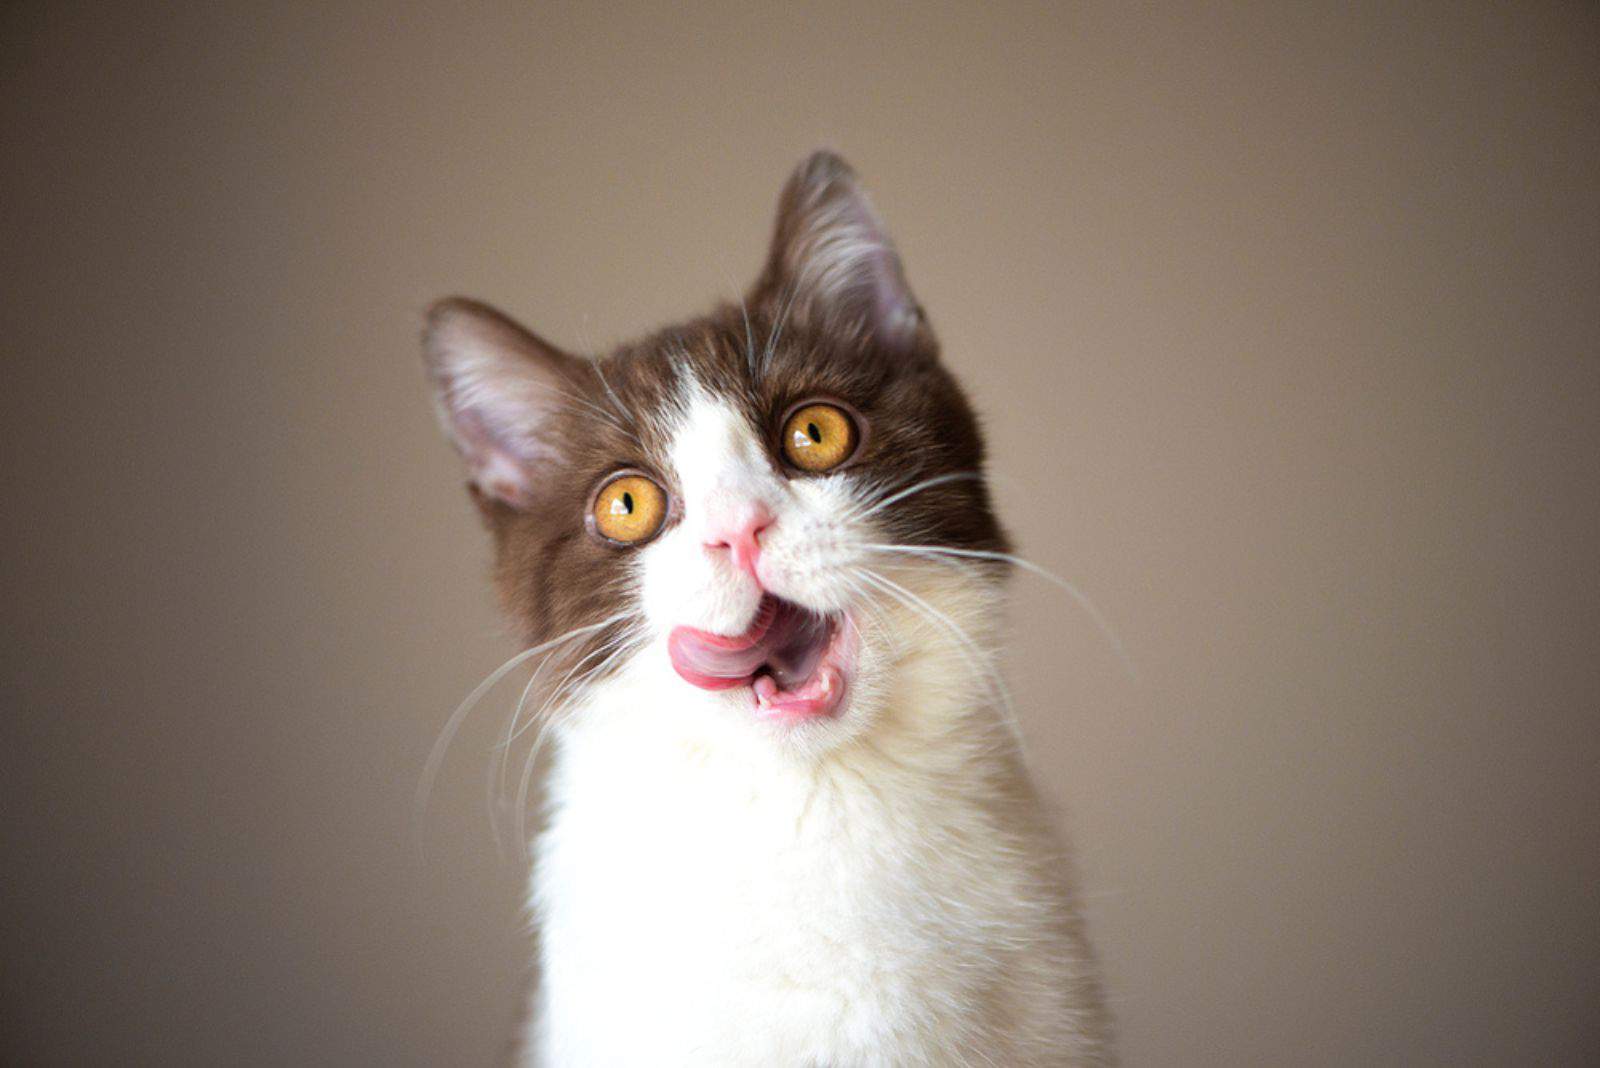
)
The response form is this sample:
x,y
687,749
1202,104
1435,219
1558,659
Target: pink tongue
x,y
707,666
784,638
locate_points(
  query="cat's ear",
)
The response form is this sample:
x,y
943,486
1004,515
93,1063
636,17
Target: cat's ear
x,y
832,265
497,389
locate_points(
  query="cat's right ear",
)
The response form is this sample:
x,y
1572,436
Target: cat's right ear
x,y
832,264
497,388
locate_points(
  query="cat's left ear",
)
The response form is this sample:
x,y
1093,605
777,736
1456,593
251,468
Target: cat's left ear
x,y
498,389
832,266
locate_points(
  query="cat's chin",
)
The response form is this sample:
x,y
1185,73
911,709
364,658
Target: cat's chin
x,y
794,664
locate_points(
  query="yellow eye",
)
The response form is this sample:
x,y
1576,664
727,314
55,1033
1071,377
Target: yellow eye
x,y
629,509
819,437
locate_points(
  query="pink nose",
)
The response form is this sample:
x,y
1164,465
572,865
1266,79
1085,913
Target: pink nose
x,y
740,534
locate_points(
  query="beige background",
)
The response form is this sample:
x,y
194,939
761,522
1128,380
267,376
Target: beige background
x,y
1286,322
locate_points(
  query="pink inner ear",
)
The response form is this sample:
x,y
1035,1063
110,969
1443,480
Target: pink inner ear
x,y
895,312
501,476
493,469
843,255
497,388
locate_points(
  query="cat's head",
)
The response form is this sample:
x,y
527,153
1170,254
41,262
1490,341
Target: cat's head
x,y
745,521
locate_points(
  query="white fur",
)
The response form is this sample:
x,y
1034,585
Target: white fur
x,y
712,889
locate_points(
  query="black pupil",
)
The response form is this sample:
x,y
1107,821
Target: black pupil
x,y
815,432
627,502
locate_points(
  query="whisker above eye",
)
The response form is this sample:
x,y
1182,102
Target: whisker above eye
x,y
783,316
749,339
595,411
1102,624
749,336
616,401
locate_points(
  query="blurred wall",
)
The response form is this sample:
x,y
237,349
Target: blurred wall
x,y
1286,323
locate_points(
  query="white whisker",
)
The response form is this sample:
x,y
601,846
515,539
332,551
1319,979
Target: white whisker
x,y
528,766
928,483
430,769
609,646
783,316
567,692
496,775
749,337
616,401
591,409
1082,599
969,648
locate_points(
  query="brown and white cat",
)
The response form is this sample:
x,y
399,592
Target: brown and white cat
x,y
788,820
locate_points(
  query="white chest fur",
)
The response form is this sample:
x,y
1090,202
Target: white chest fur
x,y
873,908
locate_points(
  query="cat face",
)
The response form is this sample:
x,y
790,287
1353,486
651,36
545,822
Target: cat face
x,y
744,516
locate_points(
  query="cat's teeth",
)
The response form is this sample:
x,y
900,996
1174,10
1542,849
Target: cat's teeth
x,y
766,689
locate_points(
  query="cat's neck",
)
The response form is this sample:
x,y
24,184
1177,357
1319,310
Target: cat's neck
x,y
949,744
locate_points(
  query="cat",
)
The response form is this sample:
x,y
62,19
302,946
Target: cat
x,y
788,818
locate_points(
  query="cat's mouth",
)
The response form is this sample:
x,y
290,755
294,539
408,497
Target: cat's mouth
x,y
794,660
